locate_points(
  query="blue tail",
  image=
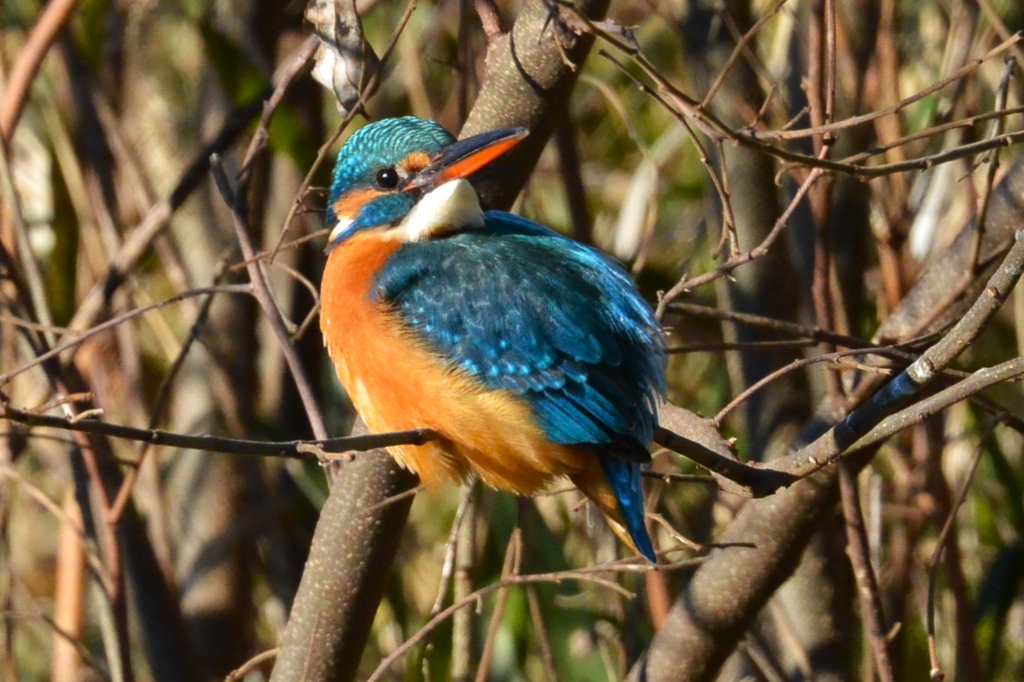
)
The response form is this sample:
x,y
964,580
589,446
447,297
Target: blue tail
x,y
624,477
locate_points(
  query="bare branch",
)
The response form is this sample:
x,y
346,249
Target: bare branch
x,y
288,449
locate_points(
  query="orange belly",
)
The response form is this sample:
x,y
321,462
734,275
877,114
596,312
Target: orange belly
x,y
397,382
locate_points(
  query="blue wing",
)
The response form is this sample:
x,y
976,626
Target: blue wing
x,y
528,310
559,323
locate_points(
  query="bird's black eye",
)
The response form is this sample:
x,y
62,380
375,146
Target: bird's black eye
x,y
387,178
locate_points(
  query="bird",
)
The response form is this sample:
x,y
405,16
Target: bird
x,y
531,356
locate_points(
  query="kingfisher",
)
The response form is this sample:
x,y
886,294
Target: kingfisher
x,y
531,356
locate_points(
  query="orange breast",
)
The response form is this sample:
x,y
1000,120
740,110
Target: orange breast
x,y
398,382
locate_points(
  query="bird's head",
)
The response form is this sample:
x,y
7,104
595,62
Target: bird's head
x,y
405,176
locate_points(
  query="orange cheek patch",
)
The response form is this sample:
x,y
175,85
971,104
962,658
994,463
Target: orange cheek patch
x,y
350,203
416,161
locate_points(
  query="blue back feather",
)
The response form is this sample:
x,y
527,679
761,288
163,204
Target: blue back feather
x,y
557,322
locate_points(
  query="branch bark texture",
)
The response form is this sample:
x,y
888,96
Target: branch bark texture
x,y
349,563
531,71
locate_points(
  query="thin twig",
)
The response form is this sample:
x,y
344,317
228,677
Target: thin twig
x,y
993,167
80,337
293,66
670,477
540,635
448,564
556,577
687,285
863,573
250,665
745,346
76,642
715,128
163,395
775,375
32,326
261,290
398,497
95,563
789,328
287,449
741,45
936,674
513,560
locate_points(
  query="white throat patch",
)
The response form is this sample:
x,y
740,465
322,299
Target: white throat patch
x,y
343,224
451,206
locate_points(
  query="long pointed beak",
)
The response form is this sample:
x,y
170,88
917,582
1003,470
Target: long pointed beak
x,y
465,157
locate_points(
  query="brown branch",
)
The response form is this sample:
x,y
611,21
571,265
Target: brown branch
x,y
936,674
158,218
75,642
867,583
30,58
163,395
774,375
683,106
79,338
531,70
541,636
348,569
721,600
741,45
732,584
513,560
771,324
700,441
261,290
686,285
993,167
93,465
462,584
918,412
713,127
66,521
242,671
746,346
923,370
292,449
490,19
966,122
670,477
833,128
571,172
754,480
294,66
448,565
